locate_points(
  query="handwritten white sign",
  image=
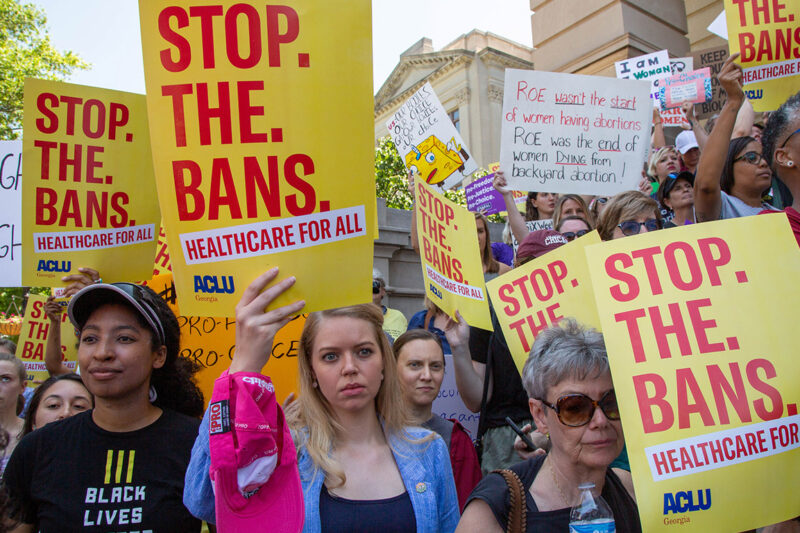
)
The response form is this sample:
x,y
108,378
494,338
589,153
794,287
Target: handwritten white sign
x,y
428,142
570,133
11,213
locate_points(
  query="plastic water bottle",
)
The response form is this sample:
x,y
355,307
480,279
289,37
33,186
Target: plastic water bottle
x,y
592,514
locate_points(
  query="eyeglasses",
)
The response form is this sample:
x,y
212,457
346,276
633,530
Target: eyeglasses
x,y
789,137
572,235
631,227
575,410
754,158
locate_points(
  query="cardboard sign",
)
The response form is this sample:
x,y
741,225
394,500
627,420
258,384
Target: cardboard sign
x,y
713,58
88,184
451,261
569,133
11,215
538,294
691,86
162,264
247,106
766,34
428,142
703,358
211,341
483,198
33,341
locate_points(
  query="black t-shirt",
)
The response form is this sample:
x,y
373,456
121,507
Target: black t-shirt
x,y
74,476
494,491
508,395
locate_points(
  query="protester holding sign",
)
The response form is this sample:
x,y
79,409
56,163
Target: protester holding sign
x,y
421,369
781,145
133,447
572,399
359,460
745,174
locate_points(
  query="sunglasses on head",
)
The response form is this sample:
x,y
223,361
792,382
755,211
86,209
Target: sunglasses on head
x,y
137,293
631,227
572,235
601,199
789,137
754,158
575,410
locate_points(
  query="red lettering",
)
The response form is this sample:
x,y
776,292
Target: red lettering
x,y
647,403
274,36
182,46
686,383
629,280
769,391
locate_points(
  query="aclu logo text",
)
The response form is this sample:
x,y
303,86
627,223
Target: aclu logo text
x,y
214,284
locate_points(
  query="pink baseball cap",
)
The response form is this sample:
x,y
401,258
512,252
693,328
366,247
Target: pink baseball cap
x,y
253,458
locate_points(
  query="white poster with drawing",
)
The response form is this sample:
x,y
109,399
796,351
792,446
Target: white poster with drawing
x,y
428,142
569,133
11,215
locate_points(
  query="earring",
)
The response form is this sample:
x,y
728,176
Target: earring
x,y
153,395
790,163
314,384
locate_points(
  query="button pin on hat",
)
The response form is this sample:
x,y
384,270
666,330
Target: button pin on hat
x,y
421,487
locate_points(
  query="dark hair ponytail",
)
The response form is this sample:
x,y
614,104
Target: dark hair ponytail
x,y
174,383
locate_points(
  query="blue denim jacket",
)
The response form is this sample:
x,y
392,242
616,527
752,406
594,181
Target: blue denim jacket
x,y
424,467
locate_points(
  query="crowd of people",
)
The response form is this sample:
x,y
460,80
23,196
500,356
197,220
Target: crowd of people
x,y
127,444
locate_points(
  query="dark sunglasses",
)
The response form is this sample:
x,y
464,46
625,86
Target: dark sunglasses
x,y
754,158
789,137
575,410
631,227
572,235
601,199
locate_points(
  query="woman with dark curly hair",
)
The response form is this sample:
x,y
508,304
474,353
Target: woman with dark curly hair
x,y
121,465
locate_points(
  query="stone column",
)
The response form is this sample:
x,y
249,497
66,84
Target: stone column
x,y
588,36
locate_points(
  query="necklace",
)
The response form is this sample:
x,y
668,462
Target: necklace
x,y
555,481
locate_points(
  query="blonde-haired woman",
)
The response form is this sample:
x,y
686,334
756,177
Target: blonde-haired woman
x,y
359,460
628,213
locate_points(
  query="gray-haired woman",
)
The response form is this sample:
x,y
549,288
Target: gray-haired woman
x,y
571,398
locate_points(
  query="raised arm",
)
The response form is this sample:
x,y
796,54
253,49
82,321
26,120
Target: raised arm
x,y
468,380
658,140
53,359
744,120
707,192
700,134
515,219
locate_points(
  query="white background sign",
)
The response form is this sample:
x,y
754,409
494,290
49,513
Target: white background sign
x,y
11,213
569,133
428,141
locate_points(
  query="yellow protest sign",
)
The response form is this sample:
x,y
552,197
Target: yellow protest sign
x,y
538,294
162,264
451,261
703,357
768,35
33,341
88,183
210,342
263,120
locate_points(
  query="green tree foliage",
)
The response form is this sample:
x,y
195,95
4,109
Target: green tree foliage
x,y
390,180
26,52
13,301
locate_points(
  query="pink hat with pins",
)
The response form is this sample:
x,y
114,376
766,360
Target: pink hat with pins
x,y
253,459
